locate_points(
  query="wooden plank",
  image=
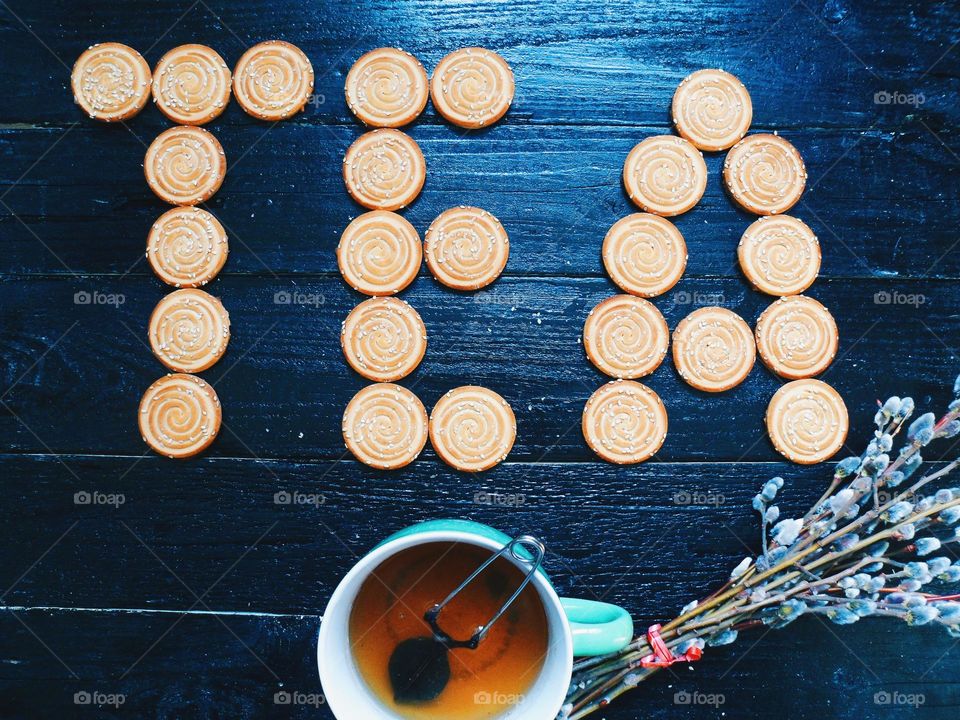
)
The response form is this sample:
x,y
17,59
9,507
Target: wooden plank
x,y
284,383
803,63
234,666
879,201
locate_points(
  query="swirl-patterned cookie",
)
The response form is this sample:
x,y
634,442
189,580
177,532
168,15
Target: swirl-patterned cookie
x,y
185,165
466,248
644,254
472,428
472,87
189,330
383,339
191,84
665,175
384,170
713,349
624,422
110,82
379,253
385,426
179,415
779,255
387,87
187,247
712,109
273,80
765,174
626,337
796,337
807,421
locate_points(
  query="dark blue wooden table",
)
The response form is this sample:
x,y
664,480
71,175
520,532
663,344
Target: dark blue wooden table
x,y
199,595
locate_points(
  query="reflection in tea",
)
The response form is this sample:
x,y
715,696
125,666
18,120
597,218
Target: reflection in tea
x,y
484,682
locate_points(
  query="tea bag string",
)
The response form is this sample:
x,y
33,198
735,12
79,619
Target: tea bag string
x,y
533,546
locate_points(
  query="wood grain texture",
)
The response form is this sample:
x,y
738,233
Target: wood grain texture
x,y
91,588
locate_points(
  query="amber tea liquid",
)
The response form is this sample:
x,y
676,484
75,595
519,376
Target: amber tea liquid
x,y
485,682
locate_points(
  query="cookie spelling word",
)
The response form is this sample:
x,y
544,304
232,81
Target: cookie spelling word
x,y
779,255
713,349
379,253
807,421
387,87
187,247
644,254
385,426
383,339
185,165
765,174
665,175
466,248
472,87
191,84
797,337
712,109
626,337
384,170
624,422
189,330
472,428
179,415
273,80
111,82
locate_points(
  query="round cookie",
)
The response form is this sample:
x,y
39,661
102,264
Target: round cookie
x,y
797,337
189,330
273,80
626,337
466,248
779,255
179,415
624,422
644,254
387,87
384,170
713,349
712,109
185,165
191,84
472,428
665,175
765,174
110,82
807,421
472,87
383,339
385,426
379,253
187,247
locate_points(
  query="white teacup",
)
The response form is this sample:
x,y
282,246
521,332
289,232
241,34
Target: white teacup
x,y
575,628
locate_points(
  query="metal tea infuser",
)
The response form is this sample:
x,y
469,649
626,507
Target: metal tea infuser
x,y
419,667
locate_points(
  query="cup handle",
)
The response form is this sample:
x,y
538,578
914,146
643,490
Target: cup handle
x,y
598,628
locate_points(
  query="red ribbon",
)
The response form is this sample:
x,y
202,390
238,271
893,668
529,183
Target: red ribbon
x,y
661,656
